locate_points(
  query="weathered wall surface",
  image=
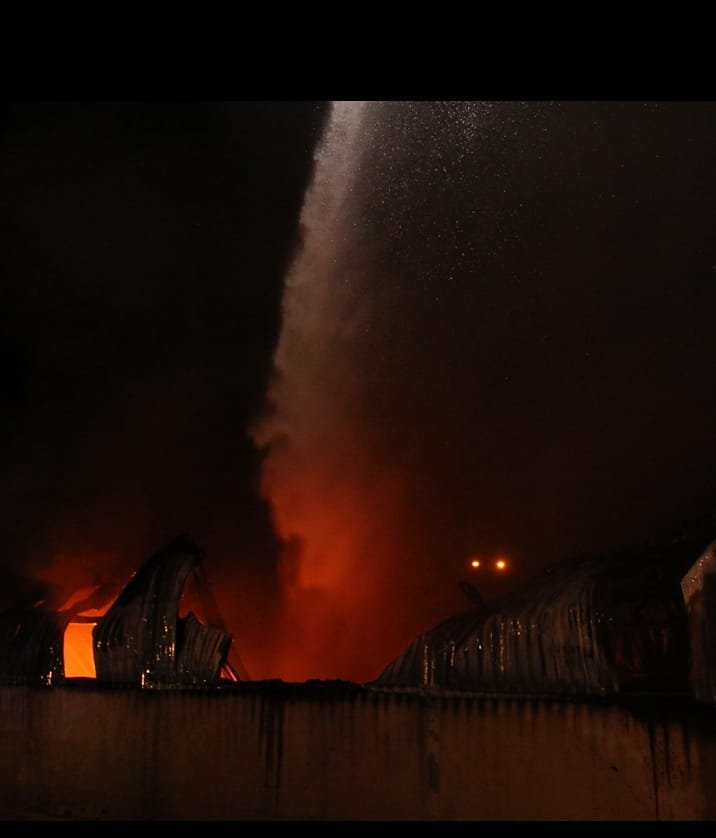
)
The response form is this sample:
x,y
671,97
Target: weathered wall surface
x,y
334,753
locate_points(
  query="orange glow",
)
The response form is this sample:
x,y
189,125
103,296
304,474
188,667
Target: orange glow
x,y
356,583
500,564
228,673
475,563
78,652
78,596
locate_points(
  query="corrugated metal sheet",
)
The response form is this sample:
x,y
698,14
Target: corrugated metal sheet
x,y
594,626
31,646
141,639
202,651
699,591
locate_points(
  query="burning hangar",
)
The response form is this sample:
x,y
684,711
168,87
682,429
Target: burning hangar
x,y
635,621
138,639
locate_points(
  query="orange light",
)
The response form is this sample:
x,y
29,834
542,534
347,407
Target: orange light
x,y
475,563
78,653
78,643
228,673
500,564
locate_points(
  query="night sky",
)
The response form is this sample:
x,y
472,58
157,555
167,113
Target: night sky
x,y
144,247
514,352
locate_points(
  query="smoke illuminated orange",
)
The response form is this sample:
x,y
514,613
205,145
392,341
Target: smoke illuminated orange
x,y
333,599
359,578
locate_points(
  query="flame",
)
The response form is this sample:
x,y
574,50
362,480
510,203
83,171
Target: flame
x,y
78,596
228,673
78,649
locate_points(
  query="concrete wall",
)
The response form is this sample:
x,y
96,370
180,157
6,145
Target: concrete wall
x,y
336,752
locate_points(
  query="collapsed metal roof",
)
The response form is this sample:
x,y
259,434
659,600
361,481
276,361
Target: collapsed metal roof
x,y
140,641
31,646
597,625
